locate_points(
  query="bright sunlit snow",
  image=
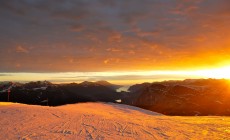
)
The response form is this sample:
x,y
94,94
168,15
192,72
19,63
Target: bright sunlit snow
x,y
104,121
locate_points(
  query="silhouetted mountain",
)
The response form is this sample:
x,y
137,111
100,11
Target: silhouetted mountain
x,y
188,97
86,83
133,94
102,83
138,87
5,85
107,84
44,92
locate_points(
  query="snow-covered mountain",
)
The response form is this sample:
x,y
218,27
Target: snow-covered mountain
x,y
6,86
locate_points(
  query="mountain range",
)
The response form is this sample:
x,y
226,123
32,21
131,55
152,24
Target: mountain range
x,y
188,97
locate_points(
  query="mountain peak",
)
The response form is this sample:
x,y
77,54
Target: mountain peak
x,y
103,82
86,83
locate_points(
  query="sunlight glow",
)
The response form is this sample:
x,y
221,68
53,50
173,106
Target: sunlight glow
x,y
119,77
218,73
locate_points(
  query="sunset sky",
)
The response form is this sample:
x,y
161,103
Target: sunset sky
x,y
123,41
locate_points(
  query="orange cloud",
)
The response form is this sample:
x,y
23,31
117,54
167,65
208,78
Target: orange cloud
x,y
21,49
115,37
113,50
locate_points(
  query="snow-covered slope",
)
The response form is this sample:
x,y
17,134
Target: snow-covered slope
x,y
104,121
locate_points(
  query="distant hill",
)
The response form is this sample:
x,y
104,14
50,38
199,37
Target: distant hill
x,y
188,97
107,84
46,93
101,83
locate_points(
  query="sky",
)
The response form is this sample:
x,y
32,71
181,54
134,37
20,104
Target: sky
x,y
116,40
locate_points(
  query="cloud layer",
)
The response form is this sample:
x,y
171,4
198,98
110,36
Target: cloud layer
x,y
108,35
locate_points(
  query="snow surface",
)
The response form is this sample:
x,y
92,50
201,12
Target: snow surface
x,y
104,121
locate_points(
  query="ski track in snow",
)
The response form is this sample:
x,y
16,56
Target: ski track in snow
x,y
101,121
